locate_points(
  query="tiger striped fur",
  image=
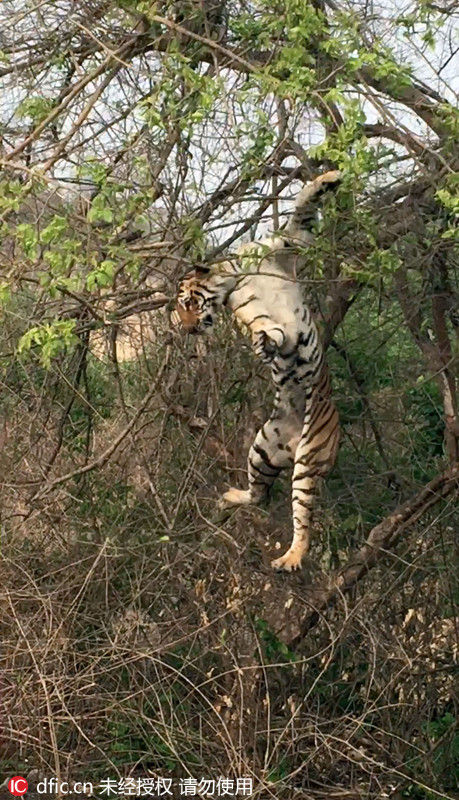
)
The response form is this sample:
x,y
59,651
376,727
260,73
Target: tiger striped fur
x,y
259,287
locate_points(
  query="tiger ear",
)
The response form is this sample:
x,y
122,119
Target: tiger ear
x,y
201,269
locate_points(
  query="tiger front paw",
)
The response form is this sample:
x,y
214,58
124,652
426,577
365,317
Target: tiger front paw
x,y
265,348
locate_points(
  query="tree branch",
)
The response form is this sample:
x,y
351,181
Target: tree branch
x,y
380,539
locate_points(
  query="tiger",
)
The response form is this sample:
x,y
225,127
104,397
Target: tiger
x,y
260,288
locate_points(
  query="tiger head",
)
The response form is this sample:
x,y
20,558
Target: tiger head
x,y
196,302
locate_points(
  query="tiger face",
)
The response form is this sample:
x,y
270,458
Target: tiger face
x,y
195,303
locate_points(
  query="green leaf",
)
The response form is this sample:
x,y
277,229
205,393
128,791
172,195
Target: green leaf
x,y
100,211
5,292
102,276
37,108
53,232
50,339
27,237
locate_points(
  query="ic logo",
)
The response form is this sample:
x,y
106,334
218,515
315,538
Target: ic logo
x,y
18,786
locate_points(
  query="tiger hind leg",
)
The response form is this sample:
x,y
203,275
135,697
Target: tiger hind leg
x,y
273,450
314,457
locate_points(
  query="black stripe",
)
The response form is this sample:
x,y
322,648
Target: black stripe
x,y
263,455
310,434
265,474
317,410
309,456
259,316
302,476
258,482
304,340
245,303
303,504
314,470
287,377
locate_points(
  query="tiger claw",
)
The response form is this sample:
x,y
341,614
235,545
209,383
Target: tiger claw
x,y
265,348
287,563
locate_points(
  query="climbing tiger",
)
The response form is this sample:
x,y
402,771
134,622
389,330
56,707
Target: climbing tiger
x,y
260,288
